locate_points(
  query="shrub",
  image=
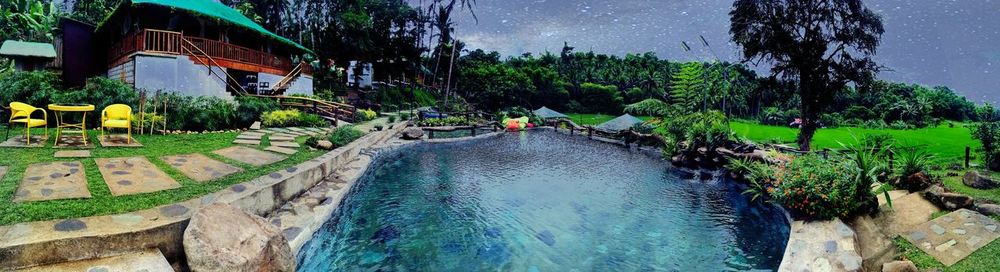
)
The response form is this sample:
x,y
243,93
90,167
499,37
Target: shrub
x,y
199,113
450,121
365,115
34,88
344,135
702,129
815,188
988,133
599,98
392,119
281,118
100,92
404,116
249,109
913,160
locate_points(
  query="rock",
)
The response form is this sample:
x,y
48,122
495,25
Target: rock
x,y
210,243
915,182
946,200
324,144
255,126
413,134
975,180
988,209
899,266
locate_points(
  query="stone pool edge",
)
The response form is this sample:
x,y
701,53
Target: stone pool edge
x,y
37,243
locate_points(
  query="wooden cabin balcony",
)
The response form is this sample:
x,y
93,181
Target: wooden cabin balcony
x,y
221,53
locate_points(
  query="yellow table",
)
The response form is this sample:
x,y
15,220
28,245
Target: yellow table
x,y
60,109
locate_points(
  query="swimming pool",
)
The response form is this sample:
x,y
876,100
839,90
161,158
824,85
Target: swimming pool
x,y
542,201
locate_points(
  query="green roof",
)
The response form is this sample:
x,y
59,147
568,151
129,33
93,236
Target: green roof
x,y
219,11
12,48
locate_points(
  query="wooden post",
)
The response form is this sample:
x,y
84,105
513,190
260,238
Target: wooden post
x,y
430,134
968,156
473,129
590,132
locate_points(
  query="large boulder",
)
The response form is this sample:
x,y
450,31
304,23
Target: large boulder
x,y
413,134
899,266
975,180
915,182
947,200
224,238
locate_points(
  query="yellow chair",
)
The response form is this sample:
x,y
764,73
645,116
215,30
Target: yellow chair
x,y
117,116
21,113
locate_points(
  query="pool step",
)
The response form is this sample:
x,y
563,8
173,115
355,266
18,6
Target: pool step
x,y
151,260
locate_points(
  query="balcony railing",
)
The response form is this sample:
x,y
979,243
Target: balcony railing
x,y
169,42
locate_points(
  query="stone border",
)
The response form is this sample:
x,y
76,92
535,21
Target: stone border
x,y
47,242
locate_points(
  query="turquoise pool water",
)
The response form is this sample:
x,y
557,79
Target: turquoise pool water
x,y
542,201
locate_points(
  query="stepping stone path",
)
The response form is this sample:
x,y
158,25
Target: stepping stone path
x,y
282,150
73,154
150,260
247,142
821,246
249,155
53,180
250,136
281,138
118,141
36,141
3,171
74,141
285,144
134,175
952,237
199,167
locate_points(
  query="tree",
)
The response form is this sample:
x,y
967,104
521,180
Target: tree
x,y
823,44
687,90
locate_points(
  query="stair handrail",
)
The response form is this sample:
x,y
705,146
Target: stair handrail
x,y
291,76
242,91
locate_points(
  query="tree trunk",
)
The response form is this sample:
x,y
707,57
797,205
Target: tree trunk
x,y
809,112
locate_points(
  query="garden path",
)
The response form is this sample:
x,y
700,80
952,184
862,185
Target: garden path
x,y
135,175
952,237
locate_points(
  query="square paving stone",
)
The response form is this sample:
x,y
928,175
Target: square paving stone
x,y
19,141
952,237
73,154
200,167
249,155
282,150
120,140
247,142
297,133
134,175
72,141
53,180
285,144
296,129
250,136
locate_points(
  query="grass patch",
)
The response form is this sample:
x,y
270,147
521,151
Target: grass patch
x,y
947,143
102,202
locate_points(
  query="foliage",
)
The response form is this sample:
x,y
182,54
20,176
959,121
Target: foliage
x,y
34,88
405,95
344,135
822,46
755,174
93,11
688,87
450,121
913,160
819,189
988,133
651,107
28,20
199,113
365,115
249,109
100,92
599,98
701,129
281,118
392,119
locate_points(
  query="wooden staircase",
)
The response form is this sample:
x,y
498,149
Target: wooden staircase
x,y
287,81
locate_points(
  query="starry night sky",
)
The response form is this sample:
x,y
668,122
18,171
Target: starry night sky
x,y
955,43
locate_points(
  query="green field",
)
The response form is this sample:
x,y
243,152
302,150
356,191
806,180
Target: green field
x,y
101,201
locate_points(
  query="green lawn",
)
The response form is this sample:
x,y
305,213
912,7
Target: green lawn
x,y
102,202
